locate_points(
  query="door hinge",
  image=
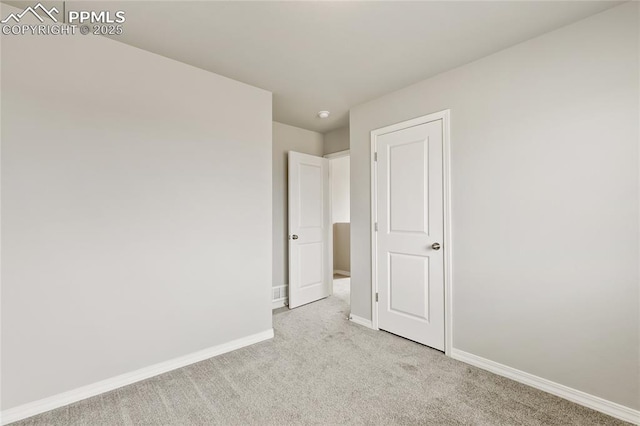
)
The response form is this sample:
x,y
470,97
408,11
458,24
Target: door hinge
x,y
375,156
376,226
376,297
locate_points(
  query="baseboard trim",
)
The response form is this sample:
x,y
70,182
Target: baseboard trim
x,y
280,303
341,272
361,321
31,409
594,402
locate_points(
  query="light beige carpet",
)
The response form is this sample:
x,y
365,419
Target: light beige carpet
x,y
322,369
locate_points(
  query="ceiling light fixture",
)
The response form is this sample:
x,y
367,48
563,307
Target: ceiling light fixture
x,y
323,114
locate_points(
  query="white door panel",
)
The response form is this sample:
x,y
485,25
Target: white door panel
x,y
409,211
407,187
310,264
310,195
409,295
310,254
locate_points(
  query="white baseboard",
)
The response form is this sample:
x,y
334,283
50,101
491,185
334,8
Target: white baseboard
x,y
594,402
280,303
361,321
341,272
32,408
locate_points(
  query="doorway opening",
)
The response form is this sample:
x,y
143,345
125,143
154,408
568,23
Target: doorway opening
x,y
339,177
319,227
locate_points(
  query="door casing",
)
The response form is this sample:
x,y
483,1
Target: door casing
x,y
447,243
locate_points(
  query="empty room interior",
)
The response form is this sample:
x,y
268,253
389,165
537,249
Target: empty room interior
x,y
320,212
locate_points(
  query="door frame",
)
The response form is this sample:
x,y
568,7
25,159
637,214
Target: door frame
x,y
447,243
337,154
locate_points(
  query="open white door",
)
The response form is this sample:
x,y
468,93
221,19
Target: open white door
x,y
409,263
310,251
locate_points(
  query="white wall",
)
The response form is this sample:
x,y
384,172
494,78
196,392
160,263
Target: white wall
x,y
545,202
340,179
336,140
286,138
136,212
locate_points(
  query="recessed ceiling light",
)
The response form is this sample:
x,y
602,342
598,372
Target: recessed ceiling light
x,y
323,114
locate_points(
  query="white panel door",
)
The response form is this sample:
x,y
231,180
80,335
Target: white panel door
x,y
310,251
410,217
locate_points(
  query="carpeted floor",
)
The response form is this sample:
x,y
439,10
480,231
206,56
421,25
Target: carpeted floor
x,y
322,369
